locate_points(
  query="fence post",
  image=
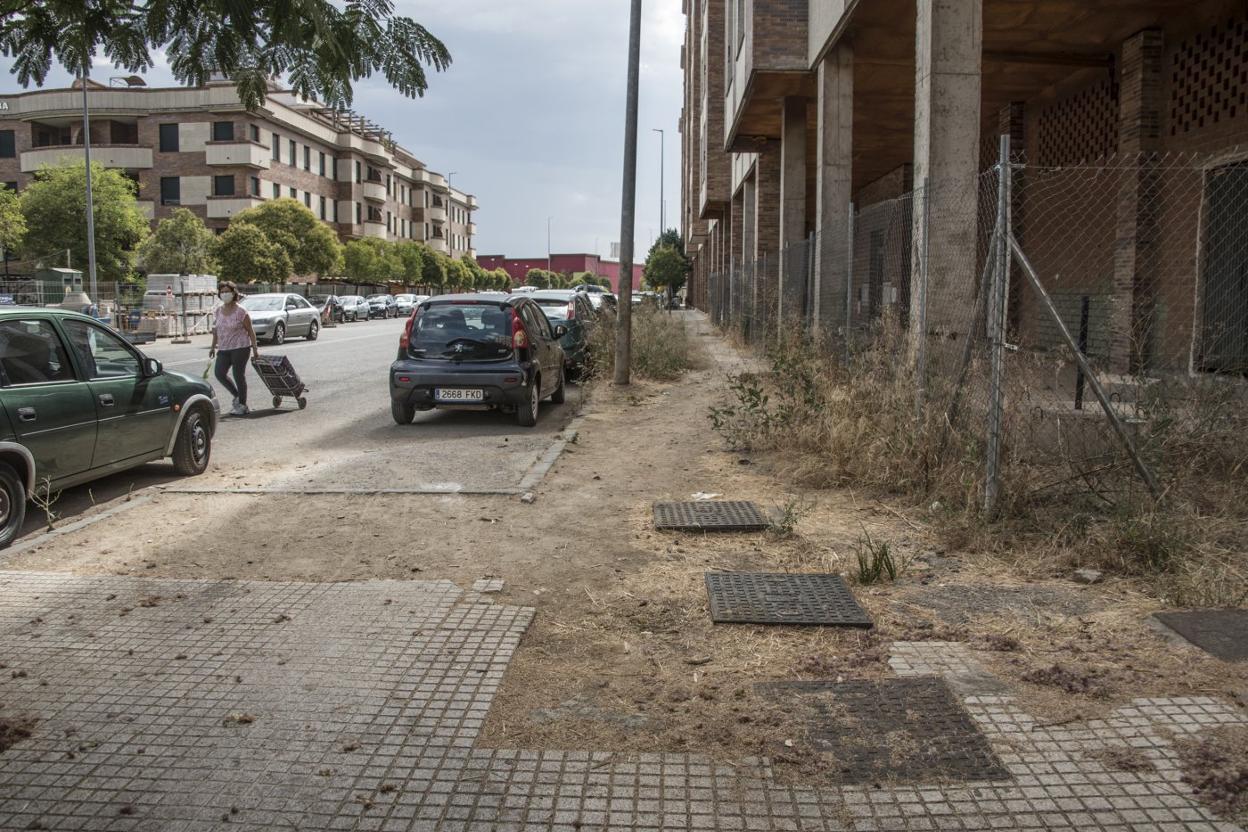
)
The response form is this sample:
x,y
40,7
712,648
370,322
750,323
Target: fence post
x,y
808,294
849,283
996,331
920,337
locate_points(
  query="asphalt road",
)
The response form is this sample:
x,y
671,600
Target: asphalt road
x,y
345,441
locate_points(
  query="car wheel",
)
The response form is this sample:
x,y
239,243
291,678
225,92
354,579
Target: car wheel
x,y
526,411
314,329
193,447
279,333
561,393
403,413
12,504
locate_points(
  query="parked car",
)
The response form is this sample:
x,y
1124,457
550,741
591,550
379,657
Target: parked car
x,y
354,308
479,353
382,306
404,304
274,316
77,402
575,312
330,307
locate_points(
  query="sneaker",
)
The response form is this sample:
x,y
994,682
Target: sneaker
x,y
239,409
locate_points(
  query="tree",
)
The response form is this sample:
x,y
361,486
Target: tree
x,y
457,275
309,243
181,245
666,269
321,46
434,269
502,280
670,238
12,223
55,206
412,257
245,255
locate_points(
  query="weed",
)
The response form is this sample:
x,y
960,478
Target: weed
x,y
44,499
661,349
783,522
875,560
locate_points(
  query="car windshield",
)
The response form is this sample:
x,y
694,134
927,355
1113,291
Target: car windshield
x,y
555,308
379,297
404,298
462,332
264,303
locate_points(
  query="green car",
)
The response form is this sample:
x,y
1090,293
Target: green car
x,y
77,402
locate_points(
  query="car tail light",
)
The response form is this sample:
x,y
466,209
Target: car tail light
x,y
405,339
519,340
571,310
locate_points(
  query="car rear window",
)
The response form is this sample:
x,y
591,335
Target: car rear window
x,y
476,332
554,308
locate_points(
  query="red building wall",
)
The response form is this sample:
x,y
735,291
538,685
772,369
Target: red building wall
x,y
563,263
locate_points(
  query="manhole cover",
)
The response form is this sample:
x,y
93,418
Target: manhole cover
x,y
709,516
1222,633
772,598
901,730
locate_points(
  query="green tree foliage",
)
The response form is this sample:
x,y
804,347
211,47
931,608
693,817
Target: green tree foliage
x,y
671,239
502,280
435,269
310,244
370,260
245,254
412,256
457,274
181,245
543,279
666,268
55,208
322,46
12,223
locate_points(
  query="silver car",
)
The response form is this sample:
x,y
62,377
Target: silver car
x,y
354,308
406,303
274,316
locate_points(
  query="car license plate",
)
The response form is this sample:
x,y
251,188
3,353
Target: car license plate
x,y
444,394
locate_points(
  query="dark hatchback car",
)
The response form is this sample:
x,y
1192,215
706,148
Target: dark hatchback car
x,y
77,403
470,352
574,311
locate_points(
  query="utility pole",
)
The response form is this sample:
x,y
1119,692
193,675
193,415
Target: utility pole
x,y
628,204
86,147
662,193
548,219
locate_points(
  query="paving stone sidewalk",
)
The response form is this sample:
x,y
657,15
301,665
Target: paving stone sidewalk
x,y
185,705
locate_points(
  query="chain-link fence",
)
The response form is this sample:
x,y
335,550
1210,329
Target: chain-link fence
x,y
1076,328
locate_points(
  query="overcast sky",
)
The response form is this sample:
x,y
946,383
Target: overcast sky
x,y
531,116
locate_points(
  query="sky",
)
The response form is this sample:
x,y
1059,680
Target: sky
x,y
530,116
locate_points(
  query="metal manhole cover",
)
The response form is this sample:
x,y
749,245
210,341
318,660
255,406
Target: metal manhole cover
x,y
777,598
1221,633
901,730
710,516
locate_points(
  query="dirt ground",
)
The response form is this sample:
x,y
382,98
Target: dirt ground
x,y
622,655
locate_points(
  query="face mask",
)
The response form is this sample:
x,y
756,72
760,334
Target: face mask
x,y
226,297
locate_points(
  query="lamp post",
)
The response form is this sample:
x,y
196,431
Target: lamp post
x,y
548,219
662,199
86,148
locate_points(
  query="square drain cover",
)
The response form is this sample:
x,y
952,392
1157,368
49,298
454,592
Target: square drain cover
x,y
709,516
901,730
1222,633
781,598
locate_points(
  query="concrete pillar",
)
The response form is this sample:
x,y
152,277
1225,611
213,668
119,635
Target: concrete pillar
x,y
948,55
735,253
792,294
834,155
767,233
1133,342
749,270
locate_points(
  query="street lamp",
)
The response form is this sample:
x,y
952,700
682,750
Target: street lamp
x,y
548,219
662,200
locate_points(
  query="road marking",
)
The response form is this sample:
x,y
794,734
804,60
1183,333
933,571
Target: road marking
x,y
312,346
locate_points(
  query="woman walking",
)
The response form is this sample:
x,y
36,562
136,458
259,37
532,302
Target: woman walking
x,y
233,341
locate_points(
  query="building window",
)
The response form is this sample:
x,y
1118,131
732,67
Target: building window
x,y
388,226
253,132
255,186
307,158
223,185
358,212
357,173
387,184
321,168
374,214
276,141
170,190
8,144
333,163
223,131
307,199
322,207
277,190
294,194
293,159
168,138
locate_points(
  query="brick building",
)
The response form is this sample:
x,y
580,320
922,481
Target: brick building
x,y
199,148
796,110
568,264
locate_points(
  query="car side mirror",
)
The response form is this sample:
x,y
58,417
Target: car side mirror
x,y
560,330
152,368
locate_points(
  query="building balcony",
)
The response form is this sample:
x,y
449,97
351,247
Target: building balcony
x,y
371,148
127,157
472,229
244,154
224,207
375,228
769,64
434,180
436,214
373,191
438,244
472,203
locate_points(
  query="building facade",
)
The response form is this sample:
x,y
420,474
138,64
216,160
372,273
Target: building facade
x,y
800,114
199,148
568,264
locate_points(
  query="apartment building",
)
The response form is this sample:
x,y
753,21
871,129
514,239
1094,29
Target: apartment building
x,y
796,110
199,148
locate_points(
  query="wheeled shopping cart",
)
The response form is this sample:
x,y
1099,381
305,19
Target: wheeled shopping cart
x,y
281,379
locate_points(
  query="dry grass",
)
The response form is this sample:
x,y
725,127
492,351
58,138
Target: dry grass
x,y
661,347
